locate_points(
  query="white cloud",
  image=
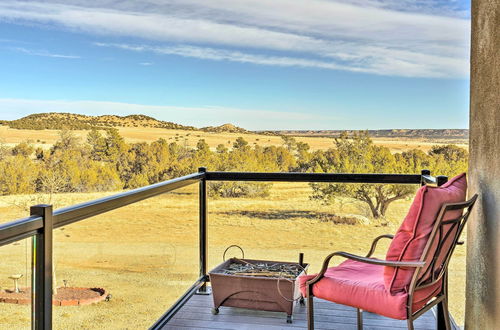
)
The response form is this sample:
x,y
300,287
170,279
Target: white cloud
x,y
358,36
226,55
398,63
257,119
155,26
43,53
451,8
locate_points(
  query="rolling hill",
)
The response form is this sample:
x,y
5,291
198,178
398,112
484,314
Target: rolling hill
x,y
228,128
54,120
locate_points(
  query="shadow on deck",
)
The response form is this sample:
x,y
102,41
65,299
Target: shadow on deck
x,y
196,314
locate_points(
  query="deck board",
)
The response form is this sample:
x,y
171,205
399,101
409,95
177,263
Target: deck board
x,y
196,314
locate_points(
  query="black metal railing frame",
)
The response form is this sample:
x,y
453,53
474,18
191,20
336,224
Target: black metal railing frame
x,y
43,220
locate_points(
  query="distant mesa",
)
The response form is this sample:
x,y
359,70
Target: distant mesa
x,y
56,120
225,128
382,133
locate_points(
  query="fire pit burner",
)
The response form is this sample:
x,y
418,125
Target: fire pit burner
x,y
264,269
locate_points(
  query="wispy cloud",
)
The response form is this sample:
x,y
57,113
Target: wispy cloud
x,y
146,63
400,64
257,119
405,38
42,53
224,55
451,8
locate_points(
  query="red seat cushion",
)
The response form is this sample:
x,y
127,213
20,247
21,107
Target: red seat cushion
x,y
410,239
362,286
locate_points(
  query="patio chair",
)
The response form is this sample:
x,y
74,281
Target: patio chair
x,y
414,276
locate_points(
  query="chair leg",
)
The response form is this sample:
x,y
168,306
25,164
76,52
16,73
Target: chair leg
x,y
410,323
360,319
310,310
443,315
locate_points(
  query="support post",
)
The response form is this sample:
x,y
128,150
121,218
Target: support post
x,y
482,302
203,230
424,172
42,270
301,264
441,180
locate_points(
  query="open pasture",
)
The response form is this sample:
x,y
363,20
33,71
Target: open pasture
x,y
45,138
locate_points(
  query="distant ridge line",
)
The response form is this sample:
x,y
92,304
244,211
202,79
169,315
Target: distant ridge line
x,y
389,133
58,121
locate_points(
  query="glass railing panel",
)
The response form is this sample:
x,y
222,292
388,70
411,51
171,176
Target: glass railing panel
x,y
287,221
15,285
139,259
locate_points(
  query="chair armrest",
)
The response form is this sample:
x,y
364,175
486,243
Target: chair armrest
x,y
375,241
409,264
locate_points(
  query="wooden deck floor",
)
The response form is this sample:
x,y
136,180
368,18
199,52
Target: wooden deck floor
x,y
196,314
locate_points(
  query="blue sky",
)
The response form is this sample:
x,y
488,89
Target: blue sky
x,y
260,64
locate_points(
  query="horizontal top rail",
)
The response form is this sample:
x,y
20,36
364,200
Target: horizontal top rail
x,y
23,228
317,177
67,215
19,229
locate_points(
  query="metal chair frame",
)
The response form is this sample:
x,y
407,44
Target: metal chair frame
x,y
436,271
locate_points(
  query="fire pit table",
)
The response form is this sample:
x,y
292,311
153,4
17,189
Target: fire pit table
x,y
256,284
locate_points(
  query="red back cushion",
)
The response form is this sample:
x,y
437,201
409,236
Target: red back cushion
x,y
412,236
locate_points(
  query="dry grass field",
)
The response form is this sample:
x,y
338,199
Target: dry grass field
x,y
146,254
45,138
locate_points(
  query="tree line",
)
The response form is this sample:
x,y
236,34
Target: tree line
x,y
105,162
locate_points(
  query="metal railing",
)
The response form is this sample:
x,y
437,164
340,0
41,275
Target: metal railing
x,y
43,220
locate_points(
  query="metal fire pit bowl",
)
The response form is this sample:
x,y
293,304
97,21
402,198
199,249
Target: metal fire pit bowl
x,y
254,292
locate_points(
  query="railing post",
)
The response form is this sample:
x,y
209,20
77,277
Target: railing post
x,y
41,316
441,179
424,172
203,229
